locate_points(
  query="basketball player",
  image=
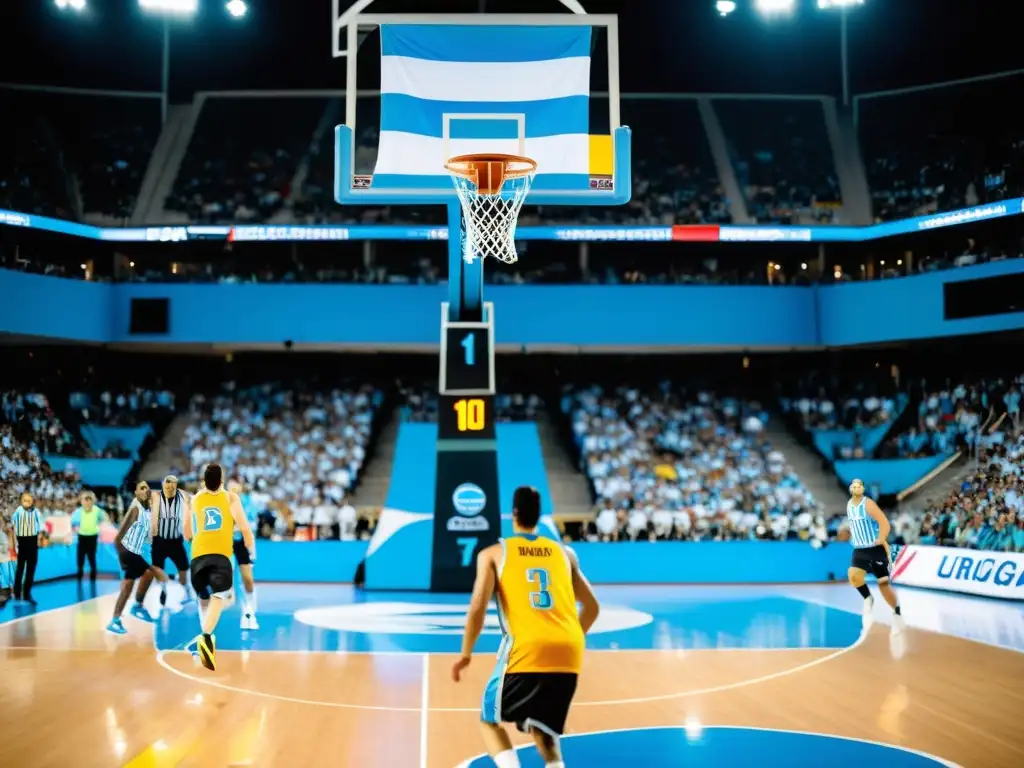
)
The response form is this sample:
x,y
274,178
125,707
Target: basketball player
x,y
210,527
536,584
869,533
130,542
245,559
169,508
6,560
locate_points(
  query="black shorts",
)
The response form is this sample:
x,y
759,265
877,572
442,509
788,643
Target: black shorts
x,y
241,552
874,560
170,549
212,575
132,565
530,700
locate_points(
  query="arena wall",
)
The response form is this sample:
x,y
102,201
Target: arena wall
x,y
573,316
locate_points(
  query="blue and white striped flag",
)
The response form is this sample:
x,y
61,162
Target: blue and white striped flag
x,y
455,90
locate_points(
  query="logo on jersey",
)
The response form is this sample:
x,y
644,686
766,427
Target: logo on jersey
x,y
439,619
469,501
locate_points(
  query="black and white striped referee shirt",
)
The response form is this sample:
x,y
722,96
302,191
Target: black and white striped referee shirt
x,y
169,516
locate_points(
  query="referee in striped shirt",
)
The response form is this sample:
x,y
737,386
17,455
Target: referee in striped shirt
x,y
28,529
169,508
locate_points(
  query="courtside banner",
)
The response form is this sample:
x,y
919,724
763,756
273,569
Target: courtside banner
x,y
975,572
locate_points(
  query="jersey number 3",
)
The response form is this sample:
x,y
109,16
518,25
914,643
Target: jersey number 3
x,y
540,598
212,519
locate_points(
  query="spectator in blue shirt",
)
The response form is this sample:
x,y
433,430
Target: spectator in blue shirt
x,y
998,536
1018,533
968,534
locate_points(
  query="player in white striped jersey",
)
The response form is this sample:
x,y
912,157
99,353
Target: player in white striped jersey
x,y
246,558
131,541
869,534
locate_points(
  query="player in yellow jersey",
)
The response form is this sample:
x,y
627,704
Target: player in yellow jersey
x,y
210,527
536,584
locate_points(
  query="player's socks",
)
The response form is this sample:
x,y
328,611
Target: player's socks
x,y
556,764
864,591
507,759
896,610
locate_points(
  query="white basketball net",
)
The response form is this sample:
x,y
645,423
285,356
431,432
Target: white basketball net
x,y
490,220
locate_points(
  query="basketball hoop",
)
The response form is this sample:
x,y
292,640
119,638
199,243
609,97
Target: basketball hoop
x,y
492,190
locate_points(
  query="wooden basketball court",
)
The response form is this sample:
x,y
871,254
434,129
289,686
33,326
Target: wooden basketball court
x,y
71,694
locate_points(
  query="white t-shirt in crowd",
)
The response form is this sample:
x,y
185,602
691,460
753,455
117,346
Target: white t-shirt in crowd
x,y
607,522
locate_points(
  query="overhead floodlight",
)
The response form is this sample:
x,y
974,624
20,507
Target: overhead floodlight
x,y
774,7
237,8
74,5
725,7
170,7
828,5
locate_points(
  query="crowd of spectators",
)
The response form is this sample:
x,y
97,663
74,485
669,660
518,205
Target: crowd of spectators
x,y
91,164
927,151
986,511
243,157
850,411
34,421
783,158
298,449
34,425
23,468
672,463
30,179
951,417
129,406
836,405
924,151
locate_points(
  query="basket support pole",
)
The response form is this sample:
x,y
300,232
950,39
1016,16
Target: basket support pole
x,y
465,281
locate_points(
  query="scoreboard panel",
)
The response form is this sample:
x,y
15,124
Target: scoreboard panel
x,y
467,354
462,417
466,505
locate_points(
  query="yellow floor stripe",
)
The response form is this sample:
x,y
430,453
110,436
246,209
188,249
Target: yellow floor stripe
x,y
245,742
160,754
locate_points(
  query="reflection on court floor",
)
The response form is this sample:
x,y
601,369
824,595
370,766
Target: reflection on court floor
x,y
695,676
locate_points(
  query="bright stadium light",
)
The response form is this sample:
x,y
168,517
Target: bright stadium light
x,y
774,7
170,7
74,5
237,8
725,7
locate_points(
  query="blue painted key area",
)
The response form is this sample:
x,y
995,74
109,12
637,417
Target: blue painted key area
x,y
715,747
327,618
